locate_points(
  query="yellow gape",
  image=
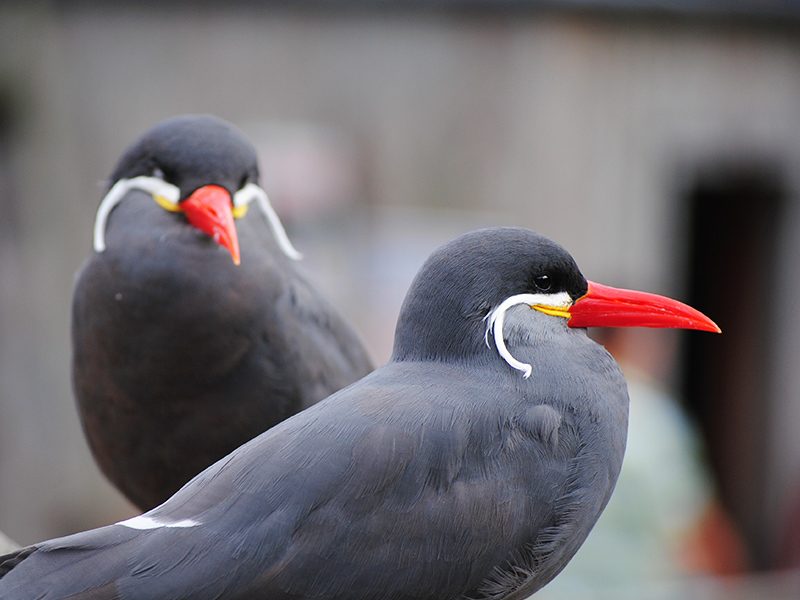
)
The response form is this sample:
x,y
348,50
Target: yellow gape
x,y
553,311
240,211
167,204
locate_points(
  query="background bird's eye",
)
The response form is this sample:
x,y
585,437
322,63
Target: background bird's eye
x,y
543,282
157,173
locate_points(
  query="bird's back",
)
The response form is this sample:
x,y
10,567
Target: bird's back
x,y
413,483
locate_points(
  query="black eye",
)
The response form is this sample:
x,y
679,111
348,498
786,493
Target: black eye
x,y
543,282
244,181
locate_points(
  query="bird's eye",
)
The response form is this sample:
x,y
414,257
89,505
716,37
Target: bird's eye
x,y
157,173
543,282
244,181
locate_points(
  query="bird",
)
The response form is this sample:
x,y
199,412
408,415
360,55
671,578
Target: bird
x,y
193,327
471,466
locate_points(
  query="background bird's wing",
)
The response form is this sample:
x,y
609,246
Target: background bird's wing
x,y
326,352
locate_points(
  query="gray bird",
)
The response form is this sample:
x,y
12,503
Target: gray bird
x,y
472,466
193,328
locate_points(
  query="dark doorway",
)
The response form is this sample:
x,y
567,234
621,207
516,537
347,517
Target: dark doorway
x,y
735,213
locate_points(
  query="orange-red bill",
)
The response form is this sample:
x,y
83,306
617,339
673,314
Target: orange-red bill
x,y
606,306
209,210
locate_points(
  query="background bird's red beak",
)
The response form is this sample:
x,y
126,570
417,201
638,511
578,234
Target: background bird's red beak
x,y
209,209
606,306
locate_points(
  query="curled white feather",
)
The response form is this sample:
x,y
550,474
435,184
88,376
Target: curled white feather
x,y
153,185
496,319
252,191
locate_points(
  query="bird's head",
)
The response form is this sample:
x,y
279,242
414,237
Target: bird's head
x,y
460,298
202,169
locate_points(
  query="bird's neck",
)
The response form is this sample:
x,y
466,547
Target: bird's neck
x,y
430,328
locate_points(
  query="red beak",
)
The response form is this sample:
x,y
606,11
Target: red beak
x,y
605,306
209,209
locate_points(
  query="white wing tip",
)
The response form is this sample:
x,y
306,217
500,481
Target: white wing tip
x,y
293,254
143,522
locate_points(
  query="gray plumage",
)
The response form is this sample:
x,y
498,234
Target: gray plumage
x,y
443,475
180,356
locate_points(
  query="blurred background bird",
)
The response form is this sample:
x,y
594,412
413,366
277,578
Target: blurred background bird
x,y
193,328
